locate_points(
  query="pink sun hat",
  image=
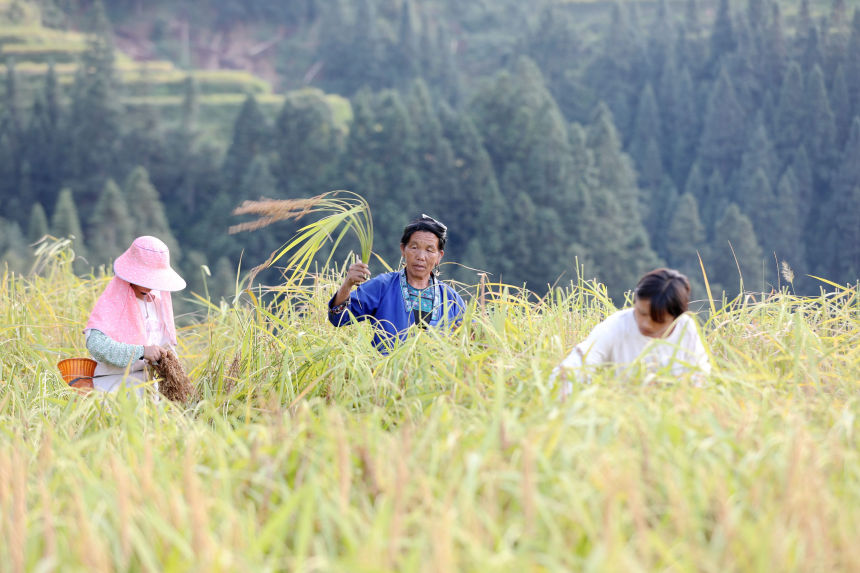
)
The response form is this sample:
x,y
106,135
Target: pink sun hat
x,y
146,263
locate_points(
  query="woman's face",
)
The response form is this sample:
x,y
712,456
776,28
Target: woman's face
x,y
140,292
647,325
421,254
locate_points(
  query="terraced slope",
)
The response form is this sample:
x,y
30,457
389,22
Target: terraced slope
x,y
32,48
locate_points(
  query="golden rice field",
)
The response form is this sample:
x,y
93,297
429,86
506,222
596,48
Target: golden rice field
x,y
307,451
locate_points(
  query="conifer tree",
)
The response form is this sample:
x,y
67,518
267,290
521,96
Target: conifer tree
x,y
144,139
790,112
612,71
838,12
723,134
841,104
650,166
661,42
12,112
474,202
686,123
11,140
613,168
223,283
359,171
13,246
804,21
658,213
182,183
365,46
434,155
407,53
775,54
8,168
802,170
756,15
306,145
811,55
692,19
381,163
251,136
647,125
788,231
194,274
553,44
441,69
45,142
95,110
759,203
38,225
65,222
723,39
735,245
510,110
758,156
621,250
715,200
614,236
111,227
820,129
190,105
149,217
852,60
667,93
528,141
842,215
745,68
685,236
696,185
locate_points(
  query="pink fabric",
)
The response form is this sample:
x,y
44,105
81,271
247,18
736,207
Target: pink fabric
x,y
117,314
146,263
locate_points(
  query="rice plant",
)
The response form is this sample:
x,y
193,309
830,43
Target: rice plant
x,y
306,450
345,211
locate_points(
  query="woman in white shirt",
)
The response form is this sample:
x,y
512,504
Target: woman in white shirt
x,y
132,322
657,333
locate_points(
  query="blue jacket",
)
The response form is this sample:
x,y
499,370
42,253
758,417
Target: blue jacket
x,y
381,300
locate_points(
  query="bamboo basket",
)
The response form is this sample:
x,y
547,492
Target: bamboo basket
x,y
77,372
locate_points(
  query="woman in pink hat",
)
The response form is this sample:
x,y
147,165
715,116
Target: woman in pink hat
x,y
132,322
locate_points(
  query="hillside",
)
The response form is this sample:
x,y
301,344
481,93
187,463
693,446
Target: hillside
x,y
549,137
31,48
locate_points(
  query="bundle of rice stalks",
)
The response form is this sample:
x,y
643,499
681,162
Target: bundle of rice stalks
x,y
345,210
173,382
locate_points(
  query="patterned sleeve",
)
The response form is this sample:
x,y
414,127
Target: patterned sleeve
x,y
362,303
105,349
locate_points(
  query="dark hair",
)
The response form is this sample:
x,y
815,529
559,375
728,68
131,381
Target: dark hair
x,y
667,289
426,223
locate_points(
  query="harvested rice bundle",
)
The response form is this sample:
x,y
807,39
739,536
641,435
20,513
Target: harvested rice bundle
x,y
173,381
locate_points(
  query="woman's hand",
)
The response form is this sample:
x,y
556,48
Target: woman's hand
x,y
154,353
357,273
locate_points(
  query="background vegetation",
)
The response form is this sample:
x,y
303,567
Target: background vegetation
x,y
620,136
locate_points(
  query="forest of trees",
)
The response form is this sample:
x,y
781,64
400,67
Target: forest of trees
x,y
731,132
